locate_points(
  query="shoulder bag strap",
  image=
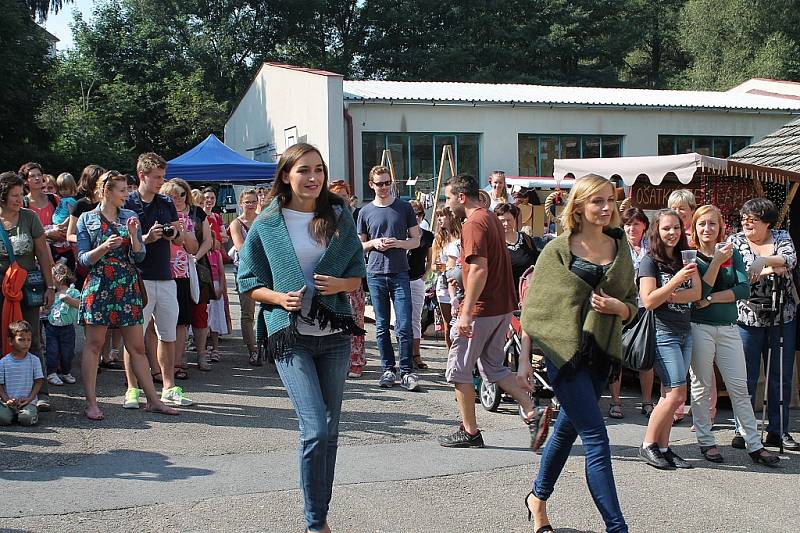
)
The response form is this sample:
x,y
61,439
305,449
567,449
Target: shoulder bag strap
x,y
7,243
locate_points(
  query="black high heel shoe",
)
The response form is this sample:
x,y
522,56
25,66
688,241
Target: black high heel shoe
x,y
545,528
764,457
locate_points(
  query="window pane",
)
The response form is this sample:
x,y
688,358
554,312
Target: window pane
x,y
702,145
612,147
398,144
467,157
591,147
439,141
371,150
739,143
722,148
570,148
528,148
684,145
421,156
547,153
666,145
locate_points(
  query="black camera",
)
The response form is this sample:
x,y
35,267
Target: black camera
x,y
168,231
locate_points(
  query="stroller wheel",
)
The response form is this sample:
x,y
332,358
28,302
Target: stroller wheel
x,y
490,395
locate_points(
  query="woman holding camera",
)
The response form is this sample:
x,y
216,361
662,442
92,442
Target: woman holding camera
x,y
769,256
715,337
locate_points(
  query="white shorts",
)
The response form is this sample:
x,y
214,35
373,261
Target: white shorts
x,y
162,307
417,301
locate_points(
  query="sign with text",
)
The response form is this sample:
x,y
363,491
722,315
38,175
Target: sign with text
x,y
647,196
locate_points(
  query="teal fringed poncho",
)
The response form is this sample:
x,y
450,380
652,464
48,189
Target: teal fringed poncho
x,y
267,259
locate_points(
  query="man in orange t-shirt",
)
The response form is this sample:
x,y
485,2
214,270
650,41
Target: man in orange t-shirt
x,y
479,334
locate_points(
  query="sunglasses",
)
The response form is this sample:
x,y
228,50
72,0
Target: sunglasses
x,y
750,220
382,183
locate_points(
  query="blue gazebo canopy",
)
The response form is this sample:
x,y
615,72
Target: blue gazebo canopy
x,y
213,161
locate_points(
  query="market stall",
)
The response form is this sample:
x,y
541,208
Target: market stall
x,y
721,182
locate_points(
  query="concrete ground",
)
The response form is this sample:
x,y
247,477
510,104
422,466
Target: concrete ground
x,y
229,464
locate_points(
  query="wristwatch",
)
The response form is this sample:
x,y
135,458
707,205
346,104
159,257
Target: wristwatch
x,y
51,287
708,298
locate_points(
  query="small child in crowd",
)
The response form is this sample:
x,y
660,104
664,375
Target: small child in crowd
x,y
21,378
67,189
60,327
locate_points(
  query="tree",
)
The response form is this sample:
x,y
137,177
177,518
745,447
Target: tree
x,y
41,8
655,56
24,64
731,41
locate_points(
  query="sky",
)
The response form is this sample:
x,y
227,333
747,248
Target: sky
x,y
58,24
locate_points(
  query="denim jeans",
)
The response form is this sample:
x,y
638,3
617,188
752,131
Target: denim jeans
x,y
313,372
673,357
757,341
59,347
382,288
580,415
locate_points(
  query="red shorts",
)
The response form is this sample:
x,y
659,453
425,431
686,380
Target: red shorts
x,y
200,316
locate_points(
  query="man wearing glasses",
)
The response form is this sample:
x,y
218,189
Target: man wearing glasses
x,y
388,228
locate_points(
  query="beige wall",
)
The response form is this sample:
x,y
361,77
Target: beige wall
x,y
500,125
281,98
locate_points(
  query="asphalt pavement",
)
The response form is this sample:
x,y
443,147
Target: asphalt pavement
x,y
229,463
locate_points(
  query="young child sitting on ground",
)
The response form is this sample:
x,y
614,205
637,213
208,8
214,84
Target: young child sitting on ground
x,y
60,327
21,378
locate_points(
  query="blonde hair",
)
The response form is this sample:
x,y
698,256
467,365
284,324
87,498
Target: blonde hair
x,y
682,197
66,181
180,182
582,190
504,191
377,170
197,197
704,210
105,180
247,192
148,161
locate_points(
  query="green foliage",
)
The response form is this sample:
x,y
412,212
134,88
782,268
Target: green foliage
x,y
24,65
41,8
731,41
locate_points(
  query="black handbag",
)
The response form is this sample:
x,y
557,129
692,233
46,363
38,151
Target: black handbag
x,y
207,291
639,343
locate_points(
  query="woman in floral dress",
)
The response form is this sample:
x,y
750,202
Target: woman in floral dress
x,y
111,296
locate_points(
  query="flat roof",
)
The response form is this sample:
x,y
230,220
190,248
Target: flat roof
x,y
456,93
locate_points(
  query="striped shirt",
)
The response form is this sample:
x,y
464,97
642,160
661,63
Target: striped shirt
x,y
17,375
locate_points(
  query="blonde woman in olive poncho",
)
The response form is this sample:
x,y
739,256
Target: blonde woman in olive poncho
x,y
588,271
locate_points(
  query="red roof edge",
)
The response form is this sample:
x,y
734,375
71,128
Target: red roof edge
x,y
761,92
303,69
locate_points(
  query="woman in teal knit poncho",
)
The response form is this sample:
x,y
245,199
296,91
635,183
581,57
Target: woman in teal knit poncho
x,y
589,272
300,259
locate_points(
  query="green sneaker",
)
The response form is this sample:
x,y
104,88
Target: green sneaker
x,y
175,396
131,399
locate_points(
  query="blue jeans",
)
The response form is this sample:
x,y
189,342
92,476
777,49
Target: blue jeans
x,y
382,288
673,357
580,415
313,372
757,341
59,348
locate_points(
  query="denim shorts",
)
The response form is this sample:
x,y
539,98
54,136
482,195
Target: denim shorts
x,y
673,356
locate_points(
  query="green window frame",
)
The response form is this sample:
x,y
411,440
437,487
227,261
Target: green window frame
x,y
536,151
418,155
713,145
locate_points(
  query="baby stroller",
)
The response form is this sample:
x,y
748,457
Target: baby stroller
x,y
489,394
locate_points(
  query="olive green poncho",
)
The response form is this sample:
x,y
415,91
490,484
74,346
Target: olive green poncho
x,y
557,312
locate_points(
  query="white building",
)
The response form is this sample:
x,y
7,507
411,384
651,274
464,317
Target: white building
x,y
520,129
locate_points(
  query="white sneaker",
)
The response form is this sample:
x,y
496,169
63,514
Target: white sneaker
x,y
53,379
175,396
388,379
409,382
68,378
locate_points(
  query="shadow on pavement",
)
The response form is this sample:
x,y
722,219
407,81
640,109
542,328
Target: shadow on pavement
x,y
118,464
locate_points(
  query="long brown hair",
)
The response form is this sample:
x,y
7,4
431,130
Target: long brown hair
x,y
658,250
323,225
447,232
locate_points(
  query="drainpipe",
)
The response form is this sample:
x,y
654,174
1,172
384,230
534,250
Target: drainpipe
x,y
351,165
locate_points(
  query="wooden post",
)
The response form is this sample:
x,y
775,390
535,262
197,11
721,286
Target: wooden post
x,y
447,153
787,204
